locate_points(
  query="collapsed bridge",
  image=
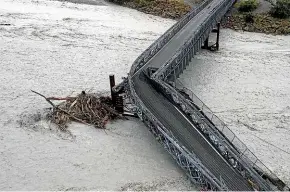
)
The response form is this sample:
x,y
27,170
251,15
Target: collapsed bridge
x,y
209,152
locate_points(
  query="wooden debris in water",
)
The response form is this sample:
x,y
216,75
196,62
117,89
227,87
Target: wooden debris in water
x,y
89,109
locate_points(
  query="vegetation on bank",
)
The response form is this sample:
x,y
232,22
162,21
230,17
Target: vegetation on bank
x,y
281,9
247,5
262,23
173,9
274,21
243,16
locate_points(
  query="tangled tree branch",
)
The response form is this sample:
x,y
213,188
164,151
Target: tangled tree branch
x,y
88,109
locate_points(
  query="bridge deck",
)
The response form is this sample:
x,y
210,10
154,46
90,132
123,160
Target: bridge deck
x,y
184,132
174,120
180,38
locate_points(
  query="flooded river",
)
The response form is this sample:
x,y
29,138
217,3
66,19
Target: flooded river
x,y
247,84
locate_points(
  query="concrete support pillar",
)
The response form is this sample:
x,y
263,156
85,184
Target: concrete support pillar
x,y
217,44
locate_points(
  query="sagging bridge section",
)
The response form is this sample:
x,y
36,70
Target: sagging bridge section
x,y
209,152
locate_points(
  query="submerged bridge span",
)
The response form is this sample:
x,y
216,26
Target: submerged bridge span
x,y
209,152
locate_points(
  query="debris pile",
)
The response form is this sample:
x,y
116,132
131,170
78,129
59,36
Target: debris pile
x,y
89,109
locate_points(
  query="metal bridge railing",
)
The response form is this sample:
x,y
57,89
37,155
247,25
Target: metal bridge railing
x,y
182,57
244,151
184,54
217,124
176,64
224,147
188,161
164,38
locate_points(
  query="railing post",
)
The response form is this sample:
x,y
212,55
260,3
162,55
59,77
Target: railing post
x,y
112,84
218,36
223,128
211,116
205,45
233,138
254,163
198,41
174,78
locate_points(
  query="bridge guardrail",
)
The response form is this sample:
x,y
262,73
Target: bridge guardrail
x,y
244,151
238,161
181,58
196,171
163,39
184,55
193,44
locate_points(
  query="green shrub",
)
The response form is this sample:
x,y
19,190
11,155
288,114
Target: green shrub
x,y
143,3
249,18
247,5
281,9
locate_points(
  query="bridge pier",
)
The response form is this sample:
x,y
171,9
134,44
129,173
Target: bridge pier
x,y
117,100
205,44
112,84
215,46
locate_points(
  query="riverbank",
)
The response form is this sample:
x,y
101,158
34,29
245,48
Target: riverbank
x,y
259,21
262,23
173,9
